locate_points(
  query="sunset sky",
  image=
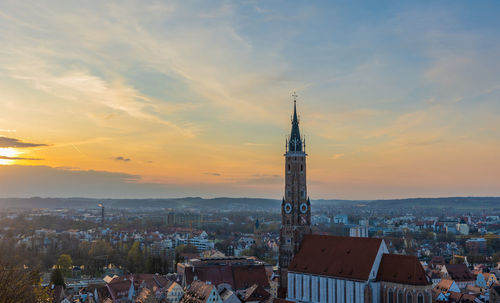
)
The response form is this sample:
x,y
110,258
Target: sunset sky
x,y
172,99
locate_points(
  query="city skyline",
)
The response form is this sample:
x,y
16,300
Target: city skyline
x,y
170,100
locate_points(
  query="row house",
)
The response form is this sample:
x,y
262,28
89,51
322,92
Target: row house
x,y
459,273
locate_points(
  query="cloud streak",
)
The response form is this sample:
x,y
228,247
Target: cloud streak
x,y
13,142
19,158
120,158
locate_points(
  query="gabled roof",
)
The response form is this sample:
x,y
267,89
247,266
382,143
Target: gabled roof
x,y
238,276
119,287
198,292
402,269
444,285
459,272
256,293
225,294
334,256
247,275
216,274
461,298
437,260
149,280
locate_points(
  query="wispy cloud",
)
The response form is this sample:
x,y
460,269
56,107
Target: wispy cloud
x,y
214,174
120,158
13,142
19,158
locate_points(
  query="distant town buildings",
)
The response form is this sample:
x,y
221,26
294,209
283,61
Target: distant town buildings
x,y
476,246
358,231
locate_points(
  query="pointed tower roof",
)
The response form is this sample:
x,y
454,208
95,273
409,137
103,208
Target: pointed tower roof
x,y
295,141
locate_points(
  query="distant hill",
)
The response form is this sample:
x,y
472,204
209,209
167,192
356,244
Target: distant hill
x,y
450,202
250,203
177,203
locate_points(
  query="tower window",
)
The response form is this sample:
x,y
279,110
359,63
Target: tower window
x,y
288,167
301,167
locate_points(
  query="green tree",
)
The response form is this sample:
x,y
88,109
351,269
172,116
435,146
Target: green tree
x,y
100,248
135,259
19,284
64,263
56,277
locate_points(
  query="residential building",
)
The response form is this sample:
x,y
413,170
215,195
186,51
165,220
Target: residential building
x,y
359,231
458,273
236,274
201,292
340,219
476,246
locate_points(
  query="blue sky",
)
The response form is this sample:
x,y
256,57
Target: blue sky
x,y
397,99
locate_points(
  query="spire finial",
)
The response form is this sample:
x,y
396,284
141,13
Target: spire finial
x,y
294,95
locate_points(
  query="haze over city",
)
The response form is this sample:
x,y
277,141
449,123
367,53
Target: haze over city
x,y
174,99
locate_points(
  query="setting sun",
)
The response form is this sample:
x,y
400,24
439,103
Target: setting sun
x,y
6,155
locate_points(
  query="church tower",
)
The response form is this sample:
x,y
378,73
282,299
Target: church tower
x,y
295,207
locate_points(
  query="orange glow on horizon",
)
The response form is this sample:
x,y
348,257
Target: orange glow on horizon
x,y
10,153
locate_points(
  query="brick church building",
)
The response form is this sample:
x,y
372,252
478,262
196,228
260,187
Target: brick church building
x,y
332,269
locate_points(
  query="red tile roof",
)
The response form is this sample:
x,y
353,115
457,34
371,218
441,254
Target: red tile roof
x,y
459,272
437,260
344,257
216,274
118,289
198,292
444,285
461,298
238,276
247,275
402,269
256,293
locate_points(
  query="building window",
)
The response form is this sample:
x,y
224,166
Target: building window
x,y
409,298
288,167
301,167
390,296
400,296
420,298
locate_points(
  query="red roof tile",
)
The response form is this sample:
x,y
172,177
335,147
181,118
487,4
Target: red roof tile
x,y
345,257
402,269
256,293
238,276
459,272
198,292
247,275
216,274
